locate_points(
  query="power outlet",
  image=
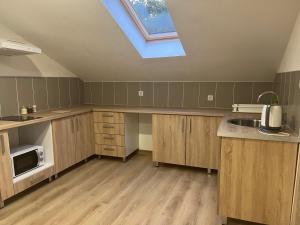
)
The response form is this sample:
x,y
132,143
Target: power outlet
x,y
210,98
141,93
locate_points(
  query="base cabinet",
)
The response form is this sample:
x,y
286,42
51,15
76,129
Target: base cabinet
x,y
202,144
6,177
168,133
256,180
186,140
72,140
296,201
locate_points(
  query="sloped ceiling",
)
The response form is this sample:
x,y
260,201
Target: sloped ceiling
x,y
225,40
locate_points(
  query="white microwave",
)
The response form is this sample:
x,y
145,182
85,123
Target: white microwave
x,y
26,158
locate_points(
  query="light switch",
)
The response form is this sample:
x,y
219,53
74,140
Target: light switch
x,y
210,98
141,93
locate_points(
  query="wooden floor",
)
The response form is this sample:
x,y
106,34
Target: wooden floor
x,y
109,192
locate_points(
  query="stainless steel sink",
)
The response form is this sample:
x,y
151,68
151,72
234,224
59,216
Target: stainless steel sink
x,y
245,122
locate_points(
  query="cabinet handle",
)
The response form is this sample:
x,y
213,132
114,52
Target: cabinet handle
x,y
107,115
190,125
109,149
77,124
183,123
109,138
73,126
108,126
2,144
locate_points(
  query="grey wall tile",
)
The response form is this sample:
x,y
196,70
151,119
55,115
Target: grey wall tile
x,y
74,91
243,92
191,94
81,91
286,89
87,92
40,93
260,87
161,94
224,98
53,92
96,93
64,92
25,91
175,94
8,96
108,93
121,93
207,88
133,97
147,99
277,86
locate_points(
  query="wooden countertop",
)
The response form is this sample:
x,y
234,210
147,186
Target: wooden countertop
x,y
233,131
66,112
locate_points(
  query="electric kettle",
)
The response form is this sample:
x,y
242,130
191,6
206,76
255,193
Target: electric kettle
x,y
271,116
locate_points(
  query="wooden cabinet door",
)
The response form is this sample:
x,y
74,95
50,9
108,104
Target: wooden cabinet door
x,y
169,138
202,143
257,180
63,131
6,177
296,201
84,139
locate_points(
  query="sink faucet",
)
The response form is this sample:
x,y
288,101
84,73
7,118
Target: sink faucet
x,y
268,92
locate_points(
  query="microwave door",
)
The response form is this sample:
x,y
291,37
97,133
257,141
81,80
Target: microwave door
x,y
25,162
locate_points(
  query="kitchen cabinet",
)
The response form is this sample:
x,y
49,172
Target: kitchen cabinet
x,y
296,201
6,177
202,144
256,180
72,140
63,131
168,133
84,136
116,134
186,140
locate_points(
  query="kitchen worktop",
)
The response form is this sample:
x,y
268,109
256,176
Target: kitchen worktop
x,y
234,131
66,112
225,129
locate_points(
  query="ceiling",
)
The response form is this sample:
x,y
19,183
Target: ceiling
x,y
232,40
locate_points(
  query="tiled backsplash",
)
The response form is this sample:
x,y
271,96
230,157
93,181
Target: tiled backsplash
x,y
175,94
46,93
287,86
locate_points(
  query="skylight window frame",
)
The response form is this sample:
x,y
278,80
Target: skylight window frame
x,y
141,27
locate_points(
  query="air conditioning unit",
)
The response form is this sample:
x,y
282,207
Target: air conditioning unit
x,y
11,48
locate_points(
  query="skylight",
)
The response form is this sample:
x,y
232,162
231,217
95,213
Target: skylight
x,y
148,26
152,18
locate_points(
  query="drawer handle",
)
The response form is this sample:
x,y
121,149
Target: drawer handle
x,y
108,126
109,149
109,138
2,144
108,115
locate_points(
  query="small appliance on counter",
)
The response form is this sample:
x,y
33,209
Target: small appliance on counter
x,y
26,158
271,117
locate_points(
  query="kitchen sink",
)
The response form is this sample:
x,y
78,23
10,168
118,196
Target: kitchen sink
x,y
245,122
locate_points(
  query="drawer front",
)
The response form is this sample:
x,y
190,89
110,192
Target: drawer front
x,y
33,180
108,139
109,150
108,117
108,128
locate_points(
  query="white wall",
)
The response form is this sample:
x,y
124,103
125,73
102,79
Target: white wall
x,y
32,65
291,59
145,132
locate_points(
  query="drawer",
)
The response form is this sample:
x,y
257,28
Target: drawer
x,y
33,180
108,117
109,128
109,150
108,139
